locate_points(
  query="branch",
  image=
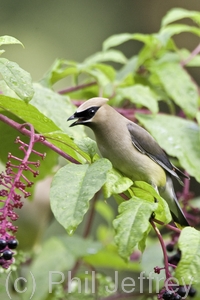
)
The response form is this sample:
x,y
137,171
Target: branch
x,y
76,88
38,137
173,228
91,216
167,273
191,56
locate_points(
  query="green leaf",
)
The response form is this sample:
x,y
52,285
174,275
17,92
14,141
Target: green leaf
x,y
103,73
17,79
167,32
28,113
91,66
6,39
176,14
56,107
72,188
47,268
102,78
116,40
182,56
179,86
178,137
107,70
85,93
105,233
142,242
187,57
145,191
79,247
162,213
147,39
6,91
116,183
129,68
131,224
155,45
43,124
188,269
139,94
59,70
169,57
89,146
66,144
110,55
109,258
7,138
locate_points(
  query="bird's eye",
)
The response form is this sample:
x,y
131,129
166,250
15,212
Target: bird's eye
x,y
91,112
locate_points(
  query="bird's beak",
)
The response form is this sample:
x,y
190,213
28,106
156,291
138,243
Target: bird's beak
x,y
73,117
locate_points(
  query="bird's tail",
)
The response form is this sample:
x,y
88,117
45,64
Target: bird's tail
x,y
169,195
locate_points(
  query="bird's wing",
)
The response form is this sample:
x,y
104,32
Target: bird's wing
x,y
145,143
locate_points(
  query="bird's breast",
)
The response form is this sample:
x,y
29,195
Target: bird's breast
x,y
119,149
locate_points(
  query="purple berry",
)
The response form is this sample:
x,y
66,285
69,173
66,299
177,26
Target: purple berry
x,y
177,297
170,247
7,254
192,292
2,244
177,256
12,244
174,259
168,295
181,291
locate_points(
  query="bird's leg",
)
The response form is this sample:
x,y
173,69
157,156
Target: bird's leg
x,y
153,215
156,189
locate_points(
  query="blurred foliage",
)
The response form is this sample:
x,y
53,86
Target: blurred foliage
x,y
158,75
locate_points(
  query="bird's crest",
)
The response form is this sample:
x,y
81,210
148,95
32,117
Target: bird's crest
x,y
97,101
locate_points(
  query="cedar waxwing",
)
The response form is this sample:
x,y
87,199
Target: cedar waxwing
x,y
131,150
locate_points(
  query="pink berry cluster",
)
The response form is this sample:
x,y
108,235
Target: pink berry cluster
x,y
13,184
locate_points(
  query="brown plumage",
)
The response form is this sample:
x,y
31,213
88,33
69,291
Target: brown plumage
x,y
131,149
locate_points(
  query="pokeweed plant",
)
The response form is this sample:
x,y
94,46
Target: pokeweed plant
x,y
137,87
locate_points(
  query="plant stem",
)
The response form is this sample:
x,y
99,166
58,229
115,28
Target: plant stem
x,y
39,137
167,273
17,179
73,272
90,217
177,230
191,56
76,88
